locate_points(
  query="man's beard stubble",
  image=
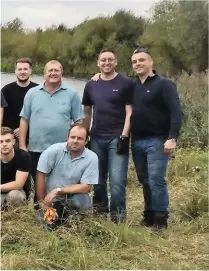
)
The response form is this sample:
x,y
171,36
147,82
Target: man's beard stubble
x,y
22,80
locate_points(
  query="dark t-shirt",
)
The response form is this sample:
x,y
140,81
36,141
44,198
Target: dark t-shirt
x,y
14,95
21,161
3,101
108,99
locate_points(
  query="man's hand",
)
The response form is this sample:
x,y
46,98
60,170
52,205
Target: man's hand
x,y
169,145
16,132
96,77
49,197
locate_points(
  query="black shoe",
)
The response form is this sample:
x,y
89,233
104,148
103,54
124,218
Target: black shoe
x,y
161,220
148,219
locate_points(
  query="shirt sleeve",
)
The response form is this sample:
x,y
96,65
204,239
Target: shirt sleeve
x,y
26,109
91,173
47,160
86,101
76,108
3,101
24,162
172,102
127,94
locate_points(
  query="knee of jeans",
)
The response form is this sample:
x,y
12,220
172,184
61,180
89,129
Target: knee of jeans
x,y
156,180
118,190
15,197
81,201
142,178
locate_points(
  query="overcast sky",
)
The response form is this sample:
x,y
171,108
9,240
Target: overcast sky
x,y
47,12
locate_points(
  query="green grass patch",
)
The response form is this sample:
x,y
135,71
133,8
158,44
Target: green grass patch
x,y
95,243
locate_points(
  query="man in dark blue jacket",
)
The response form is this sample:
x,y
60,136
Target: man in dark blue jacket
x,y
155,123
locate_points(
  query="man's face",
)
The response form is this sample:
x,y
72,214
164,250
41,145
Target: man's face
x,y
76,139
23,72
107,62
142,63
7,143
53,73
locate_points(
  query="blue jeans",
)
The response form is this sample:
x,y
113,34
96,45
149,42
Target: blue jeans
x,y
151,164
117,167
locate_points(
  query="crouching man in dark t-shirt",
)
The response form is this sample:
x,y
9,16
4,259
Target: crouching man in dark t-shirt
x,y
15,166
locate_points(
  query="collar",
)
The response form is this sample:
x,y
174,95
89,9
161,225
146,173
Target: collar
x,y
149,77
62,87
83,154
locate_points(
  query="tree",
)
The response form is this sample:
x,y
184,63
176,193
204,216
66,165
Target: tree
x,y
177,36
15,25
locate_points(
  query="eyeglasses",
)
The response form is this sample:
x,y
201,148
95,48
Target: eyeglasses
x,y
110,60
141,50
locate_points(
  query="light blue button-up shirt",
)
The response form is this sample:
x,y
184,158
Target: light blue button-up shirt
x,y
50,115
62,171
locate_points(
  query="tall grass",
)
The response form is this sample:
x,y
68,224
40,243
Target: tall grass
x,y
95,243
194,97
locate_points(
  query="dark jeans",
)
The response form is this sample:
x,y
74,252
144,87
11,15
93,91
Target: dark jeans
x,y
34,162
117,166
151,164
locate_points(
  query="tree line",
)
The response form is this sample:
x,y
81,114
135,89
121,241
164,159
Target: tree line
x,y
176,34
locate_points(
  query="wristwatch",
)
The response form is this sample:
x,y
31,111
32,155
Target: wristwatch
x,y
59,189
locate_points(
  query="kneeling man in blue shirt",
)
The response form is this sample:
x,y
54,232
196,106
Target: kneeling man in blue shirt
x,y
65,174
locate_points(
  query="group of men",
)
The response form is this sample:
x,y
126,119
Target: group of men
x,y
116,110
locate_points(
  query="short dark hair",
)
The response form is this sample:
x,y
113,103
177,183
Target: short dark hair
x,y
6,130
109,50
79,125
141,50
25,60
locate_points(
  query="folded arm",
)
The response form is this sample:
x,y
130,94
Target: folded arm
x,y
18,184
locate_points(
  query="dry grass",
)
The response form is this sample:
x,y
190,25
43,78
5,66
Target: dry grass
x,y
91,243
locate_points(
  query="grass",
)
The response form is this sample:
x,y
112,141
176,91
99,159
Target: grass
x,y
94,243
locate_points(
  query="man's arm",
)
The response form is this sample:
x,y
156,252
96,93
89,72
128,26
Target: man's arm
x,y
73,189
87,106
18,184
1,115
24,123
127,97
3,104
172,102
76,109
126,128
40,186
87,116
45,165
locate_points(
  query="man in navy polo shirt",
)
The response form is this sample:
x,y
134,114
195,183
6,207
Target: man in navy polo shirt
x,y
110,97
155,124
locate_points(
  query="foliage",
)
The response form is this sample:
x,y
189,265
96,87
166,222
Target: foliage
x,y
176,34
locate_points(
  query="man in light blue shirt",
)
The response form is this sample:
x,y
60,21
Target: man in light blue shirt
x,y
65,174
48,111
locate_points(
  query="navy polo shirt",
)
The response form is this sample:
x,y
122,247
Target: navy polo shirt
x,y
108,99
